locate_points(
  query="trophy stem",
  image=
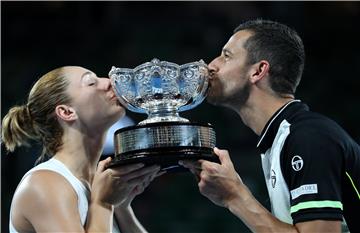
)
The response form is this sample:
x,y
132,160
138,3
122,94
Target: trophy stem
x,y
163,114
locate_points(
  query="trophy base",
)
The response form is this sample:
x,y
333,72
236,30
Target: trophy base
x,y
164,143
166,158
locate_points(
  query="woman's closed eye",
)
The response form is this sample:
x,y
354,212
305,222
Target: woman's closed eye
x,y
89,79
91,83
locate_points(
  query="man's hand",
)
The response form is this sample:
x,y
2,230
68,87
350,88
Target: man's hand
x,y
218,182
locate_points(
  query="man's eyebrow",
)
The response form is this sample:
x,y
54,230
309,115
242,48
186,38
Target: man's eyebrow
x,y
225,50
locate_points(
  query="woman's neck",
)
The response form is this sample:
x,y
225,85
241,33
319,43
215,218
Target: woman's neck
x,y
81,154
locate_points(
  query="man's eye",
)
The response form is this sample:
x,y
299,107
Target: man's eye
x,y
226,56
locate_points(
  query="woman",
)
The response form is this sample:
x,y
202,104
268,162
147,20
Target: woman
x,y
69,111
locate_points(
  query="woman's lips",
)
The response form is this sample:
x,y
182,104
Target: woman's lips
x,y
112,97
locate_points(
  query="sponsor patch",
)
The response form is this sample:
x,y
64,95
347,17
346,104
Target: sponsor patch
x,y
297,163
304,189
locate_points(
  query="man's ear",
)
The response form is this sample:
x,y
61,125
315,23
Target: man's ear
x,y
66,113
259,70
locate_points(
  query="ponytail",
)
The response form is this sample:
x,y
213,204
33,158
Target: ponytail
x,y
37,121
18,128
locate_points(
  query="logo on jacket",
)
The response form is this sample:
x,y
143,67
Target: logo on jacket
x,y
297,163
273,178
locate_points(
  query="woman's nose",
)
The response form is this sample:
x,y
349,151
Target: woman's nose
x,y
105,84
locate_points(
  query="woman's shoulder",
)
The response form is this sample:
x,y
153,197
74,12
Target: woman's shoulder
x,y
44,186
44,181
43,196
42,189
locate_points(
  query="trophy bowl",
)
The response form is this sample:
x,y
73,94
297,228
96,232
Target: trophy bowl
x,y
161,90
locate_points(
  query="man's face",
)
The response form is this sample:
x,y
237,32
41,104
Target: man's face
x,y
229,79
93,98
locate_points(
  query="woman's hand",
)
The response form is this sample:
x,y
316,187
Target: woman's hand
x,y
140,188
118,186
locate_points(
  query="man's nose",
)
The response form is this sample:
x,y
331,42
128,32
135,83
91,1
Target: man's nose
x,y
213,68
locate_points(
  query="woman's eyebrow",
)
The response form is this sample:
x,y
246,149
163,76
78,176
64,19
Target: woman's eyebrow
x,y
89,73
86,73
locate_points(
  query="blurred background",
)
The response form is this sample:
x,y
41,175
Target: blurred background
x,y
37,37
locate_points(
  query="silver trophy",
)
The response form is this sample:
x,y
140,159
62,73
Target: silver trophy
x,y
162,89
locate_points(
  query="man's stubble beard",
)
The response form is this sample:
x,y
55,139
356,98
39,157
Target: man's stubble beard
x,y
235,100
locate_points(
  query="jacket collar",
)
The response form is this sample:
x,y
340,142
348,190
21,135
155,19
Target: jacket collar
x,y
269,132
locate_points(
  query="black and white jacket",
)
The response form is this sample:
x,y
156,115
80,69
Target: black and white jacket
x,y
311,167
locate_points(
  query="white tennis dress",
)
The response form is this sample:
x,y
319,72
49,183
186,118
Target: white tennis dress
x,y
82,192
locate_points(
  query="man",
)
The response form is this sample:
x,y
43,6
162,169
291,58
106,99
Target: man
x,y
311,165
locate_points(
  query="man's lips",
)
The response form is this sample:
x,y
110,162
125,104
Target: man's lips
x,y
212,76
211,79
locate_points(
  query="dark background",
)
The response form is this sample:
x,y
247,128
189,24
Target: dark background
x,y
37,37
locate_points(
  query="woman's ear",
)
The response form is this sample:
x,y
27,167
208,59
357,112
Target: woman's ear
x,y
66,113
259,70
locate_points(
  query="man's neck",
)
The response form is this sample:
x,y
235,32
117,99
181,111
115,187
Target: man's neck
x,y
258,110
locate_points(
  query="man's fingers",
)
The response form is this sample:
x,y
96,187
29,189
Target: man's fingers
x,y
224,156
196,173
193,166
190,164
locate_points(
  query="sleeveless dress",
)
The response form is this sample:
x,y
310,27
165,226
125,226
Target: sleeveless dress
x,y
82,192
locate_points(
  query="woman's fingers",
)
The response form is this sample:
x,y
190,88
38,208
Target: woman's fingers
x,y
160,173
123,170
141,176
103,164
141,172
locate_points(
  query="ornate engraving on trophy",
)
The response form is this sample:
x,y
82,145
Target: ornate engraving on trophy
x,y
162,89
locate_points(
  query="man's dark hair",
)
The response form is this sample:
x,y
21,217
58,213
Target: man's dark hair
x,y
282,47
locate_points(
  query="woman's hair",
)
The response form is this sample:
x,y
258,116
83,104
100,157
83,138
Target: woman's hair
x,y
36,120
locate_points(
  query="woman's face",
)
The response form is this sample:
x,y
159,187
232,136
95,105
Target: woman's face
x,y
93,98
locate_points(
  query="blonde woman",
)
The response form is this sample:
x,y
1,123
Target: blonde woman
x,y
69,111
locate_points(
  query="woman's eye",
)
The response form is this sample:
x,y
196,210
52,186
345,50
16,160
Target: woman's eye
x,y
90,81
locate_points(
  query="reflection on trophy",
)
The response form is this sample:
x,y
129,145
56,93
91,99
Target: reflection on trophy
x,y
162,89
